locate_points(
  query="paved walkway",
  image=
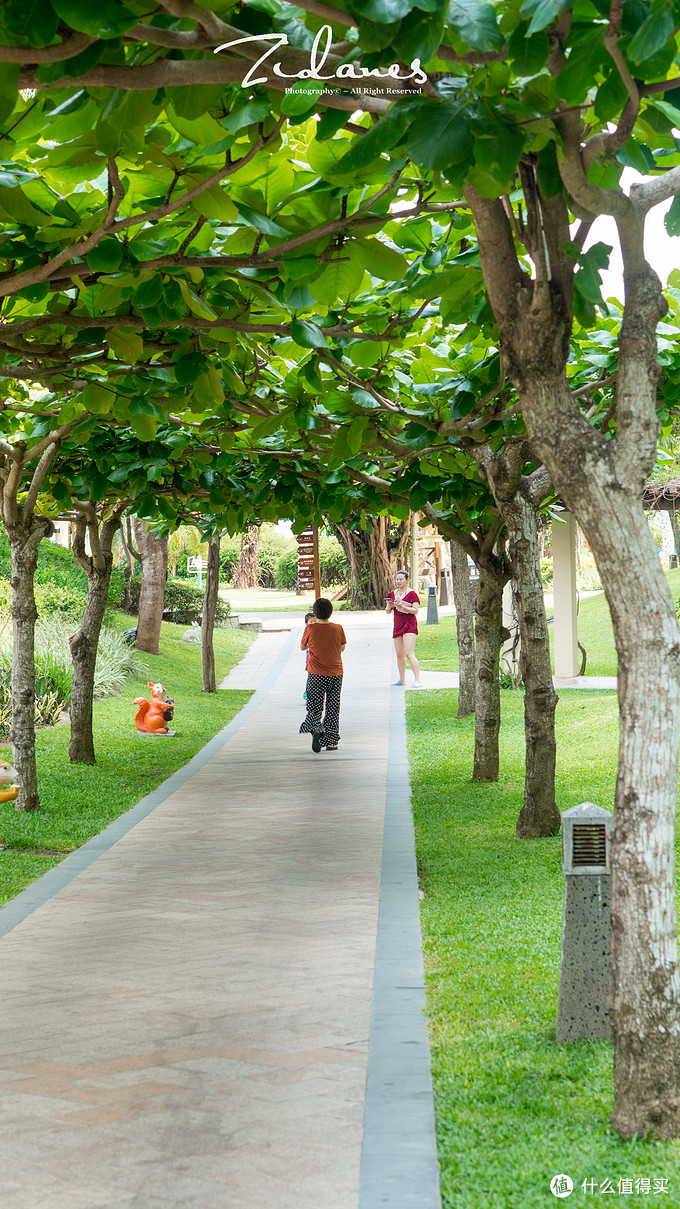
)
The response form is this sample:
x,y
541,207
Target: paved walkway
x,y
217,1003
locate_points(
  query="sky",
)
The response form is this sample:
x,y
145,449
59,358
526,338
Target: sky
x,y
662,250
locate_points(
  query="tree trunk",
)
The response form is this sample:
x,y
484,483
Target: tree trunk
x,y
465,630
84,643
489,637
212,584
374,556
23,542
126,602
601,477
154,555
601,482
246,567
539,815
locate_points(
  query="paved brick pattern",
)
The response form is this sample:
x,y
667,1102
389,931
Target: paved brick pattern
x,y
186,1023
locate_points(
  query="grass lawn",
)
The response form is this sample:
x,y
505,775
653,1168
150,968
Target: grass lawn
x,y
79,800
438,652
266,600
513,1108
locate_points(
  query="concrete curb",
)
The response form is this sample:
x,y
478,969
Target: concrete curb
x,y
399,1164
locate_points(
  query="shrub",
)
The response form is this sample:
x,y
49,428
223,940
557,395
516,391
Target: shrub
x,y
183,600
60,584
230,548
588,578
286,571
47,708
273,545
51,597
54,669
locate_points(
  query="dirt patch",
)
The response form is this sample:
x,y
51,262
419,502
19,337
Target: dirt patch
x,y
36,851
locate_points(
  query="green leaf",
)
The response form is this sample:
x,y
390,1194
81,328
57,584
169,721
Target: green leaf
x,y
672,217
541,12
208,389
9,95
232,379
364,353
301,96
260,222
97,398
548,172
149,293
106,257
34,20
587,279
348,441
440,135
203,130
307,334
192,102
189,367
381,261
215,203
652,35
15,203
105,19
299,267
339,278
126,344
385,134
330,122
383,11
475,22
498,144
636,155
241,116
194,303
528,54
144,427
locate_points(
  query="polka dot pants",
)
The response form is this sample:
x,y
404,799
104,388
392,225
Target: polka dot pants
x,y
322,689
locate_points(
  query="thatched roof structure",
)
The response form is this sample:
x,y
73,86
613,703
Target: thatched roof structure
x,y
662,497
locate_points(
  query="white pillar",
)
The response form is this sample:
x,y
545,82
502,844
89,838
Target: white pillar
x,y
564,588
414,552
510,623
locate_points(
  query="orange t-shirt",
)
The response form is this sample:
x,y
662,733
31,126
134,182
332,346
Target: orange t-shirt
x,y
324,643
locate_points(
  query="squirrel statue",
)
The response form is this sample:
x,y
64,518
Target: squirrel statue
x,y
8,773
152,716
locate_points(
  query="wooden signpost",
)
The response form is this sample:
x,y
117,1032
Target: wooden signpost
x,y
309,571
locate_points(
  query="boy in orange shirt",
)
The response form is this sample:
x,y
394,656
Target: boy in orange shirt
x,y
324,641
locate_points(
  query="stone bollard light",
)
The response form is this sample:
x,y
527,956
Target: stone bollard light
x,y
432,612
584,970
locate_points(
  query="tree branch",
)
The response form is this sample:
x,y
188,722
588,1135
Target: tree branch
x,y
611,142
68,49
38,478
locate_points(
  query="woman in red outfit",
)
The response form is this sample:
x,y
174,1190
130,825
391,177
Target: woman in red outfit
x,y
404,603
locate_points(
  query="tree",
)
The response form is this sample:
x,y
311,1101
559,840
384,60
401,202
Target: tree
x,y
153,551
517,497
23,468
522,119
97,565
212,585
375,549
465,629
246,567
